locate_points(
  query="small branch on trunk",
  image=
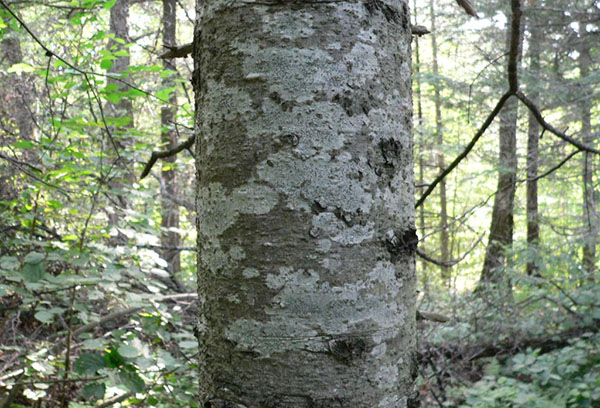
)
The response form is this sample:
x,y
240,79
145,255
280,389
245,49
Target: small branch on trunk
x,y
161,155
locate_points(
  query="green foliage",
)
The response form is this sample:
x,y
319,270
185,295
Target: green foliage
x,y
569,377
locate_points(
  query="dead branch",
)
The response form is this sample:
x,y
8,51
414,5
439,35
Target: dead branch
x,y
161,155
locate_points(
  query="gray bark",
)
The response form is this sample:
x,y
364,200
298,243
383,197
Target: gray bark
x,y
533,141
590,234
169,209
17,95
439,133
305,204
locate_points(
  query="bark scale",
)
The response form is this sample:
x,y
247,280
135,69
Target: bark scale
x,y
305,204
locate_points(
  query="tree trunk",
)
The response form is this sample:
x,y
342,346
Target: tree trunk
x,y
501,229
590,234
533,140
119,15
439,131
422,145
305,204
17,97
169,209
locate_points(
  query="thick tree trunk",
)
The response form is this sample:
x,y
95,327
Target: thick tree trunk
x,y
305,204
590,235
169,209
439,131
533,140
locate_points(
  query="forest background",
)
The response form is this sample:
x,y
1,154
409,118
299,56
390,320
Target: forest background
x,y
97,264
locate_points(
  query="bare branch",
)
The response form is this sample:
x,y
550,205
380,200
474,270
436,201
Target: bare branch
x,y
467,149
161,155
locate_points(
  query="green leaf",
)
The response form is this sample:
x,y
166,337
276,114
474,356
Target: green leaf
x,y
89,363
114,359
34,257
109,4
93,390
44,316
106,63
163,94
33,272
131,380
20,67
128,351
24,144
9,263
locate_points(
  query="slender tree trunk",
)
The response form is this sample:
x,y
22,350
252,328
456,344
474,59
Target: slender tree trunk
x,y
123,176
589,195
439,132
501,229
305,204
17,96
417,77
533,140
169,209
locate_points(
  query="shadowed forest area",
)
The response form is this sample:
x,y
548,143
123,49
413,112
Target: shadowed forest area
x,y
224,204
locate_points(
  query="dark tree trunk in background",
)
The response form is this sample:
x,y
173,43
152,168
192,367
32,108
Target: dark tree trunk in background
x,y
590,235
439,132
169,209
501,229
123,173
306,280
533,141
422,145
17,122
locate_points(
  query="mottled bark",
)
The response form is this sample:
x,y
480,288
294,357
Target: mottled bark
x,y
305,204
439,133
533,140
169,209
590,235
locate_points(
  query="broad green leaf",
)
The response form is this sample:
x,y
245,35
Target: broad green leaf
x,y
128,351
24,144
44,316
33,272
131,380
9,263
163,94
106,63
94,391
34,257
20,67
109,4
89,363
